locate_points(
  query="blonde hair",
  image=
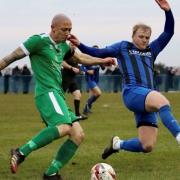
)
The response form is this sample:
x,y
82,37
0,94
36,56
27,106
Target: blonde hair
x,y
141,26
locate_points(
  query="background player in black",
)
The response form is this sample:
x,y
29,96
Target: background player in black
x,y
69,71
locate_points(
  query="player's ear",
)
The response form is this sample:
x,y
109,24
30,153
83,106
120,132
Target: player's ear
x,y
52,28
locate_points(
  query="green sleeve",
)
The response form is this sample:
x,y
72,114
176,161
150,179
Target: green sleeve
x,y
33,44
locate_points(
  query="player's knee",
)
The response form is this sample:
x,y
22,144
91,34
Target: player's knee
x,y
64,130
79,137
148,147
164,102
98,94
79,96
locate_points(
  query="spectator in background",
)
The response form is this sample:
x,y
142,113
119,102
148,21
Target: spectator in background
x,y
116,80
16,72
112,81
157,79
177,78
7,75
26,79
169,79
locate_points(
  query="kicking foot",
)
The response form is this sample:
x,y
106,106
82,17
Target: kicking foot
x,y
16,159
111,149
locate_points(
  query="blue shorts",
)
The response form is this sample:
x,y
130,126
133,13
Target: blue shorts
x,y
134,99
91,84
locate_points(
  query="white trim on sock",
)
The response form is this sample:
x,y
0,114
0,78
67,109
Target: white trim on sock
x,y
178,138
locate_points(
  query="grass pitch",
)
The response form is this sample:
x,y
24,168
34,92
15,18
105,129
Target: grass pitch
x,y
19,121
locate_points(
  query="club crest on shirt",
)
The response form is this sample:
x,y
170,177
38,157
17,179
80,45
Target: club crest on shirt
x,y
140,53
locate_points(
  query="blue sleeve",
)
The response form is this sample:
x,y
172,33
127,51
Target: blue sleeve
x,y
109,51
160,43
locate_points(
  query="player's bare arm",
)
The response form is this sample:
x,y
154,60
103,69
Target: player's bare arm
x,y
15,55
163,4
89,60
67,66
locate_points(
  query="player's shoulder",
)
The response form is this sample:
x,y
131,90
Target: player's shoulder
x,y
126,43
118,45
38,37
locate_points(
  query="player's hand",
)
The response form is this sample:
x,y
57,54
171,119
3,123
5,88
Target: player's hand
x,y
75,70
74,40
108,61
163,4
73,47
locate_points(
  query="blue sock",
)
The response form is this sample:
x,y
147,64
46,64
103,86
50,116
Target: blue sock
x,y
91,100
168,120
133,145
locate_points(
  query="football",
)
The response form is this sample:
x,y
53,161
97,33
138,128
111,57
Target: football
x,y
102,171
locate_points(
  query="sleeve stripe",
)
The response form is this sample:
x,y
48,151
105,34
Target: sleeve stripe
x,y
24,49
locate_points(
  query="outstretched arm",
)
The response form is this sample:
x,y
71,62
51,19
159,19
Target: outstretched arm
x,y
90,60
159,44
15,55
97,52
163,4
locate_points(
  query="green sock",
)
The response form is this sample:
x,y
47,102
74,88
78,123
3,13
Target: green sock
x,y
45,137
64,154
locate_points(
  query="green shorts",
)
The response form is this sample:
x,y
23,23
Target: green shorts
x,y
54,110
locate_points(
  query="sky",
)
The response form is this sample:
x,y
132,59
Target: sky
x,y
101,22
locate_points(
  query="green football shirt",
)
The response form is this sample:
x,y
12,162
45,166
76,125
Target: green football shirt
x,y
46,57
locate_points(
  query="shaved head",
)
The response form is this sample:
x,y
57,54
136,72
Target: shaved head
x,y
61,26
59,18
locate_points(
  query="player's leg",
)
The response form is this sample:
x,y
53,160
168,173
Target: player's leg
x,y
155,101
54,112
68,149
77,96
74,89
147,137
134,99
95,93
145,142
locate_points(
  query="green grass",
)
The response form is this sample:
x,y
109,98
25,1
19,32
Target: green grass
x,y
19,121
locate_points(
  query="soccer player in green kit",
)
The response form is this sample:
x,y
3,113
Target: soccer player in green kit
x,y
46,52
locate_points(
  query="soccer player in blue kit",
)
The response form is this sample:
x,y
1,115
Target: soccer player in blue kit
x,y
135,61
92,79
